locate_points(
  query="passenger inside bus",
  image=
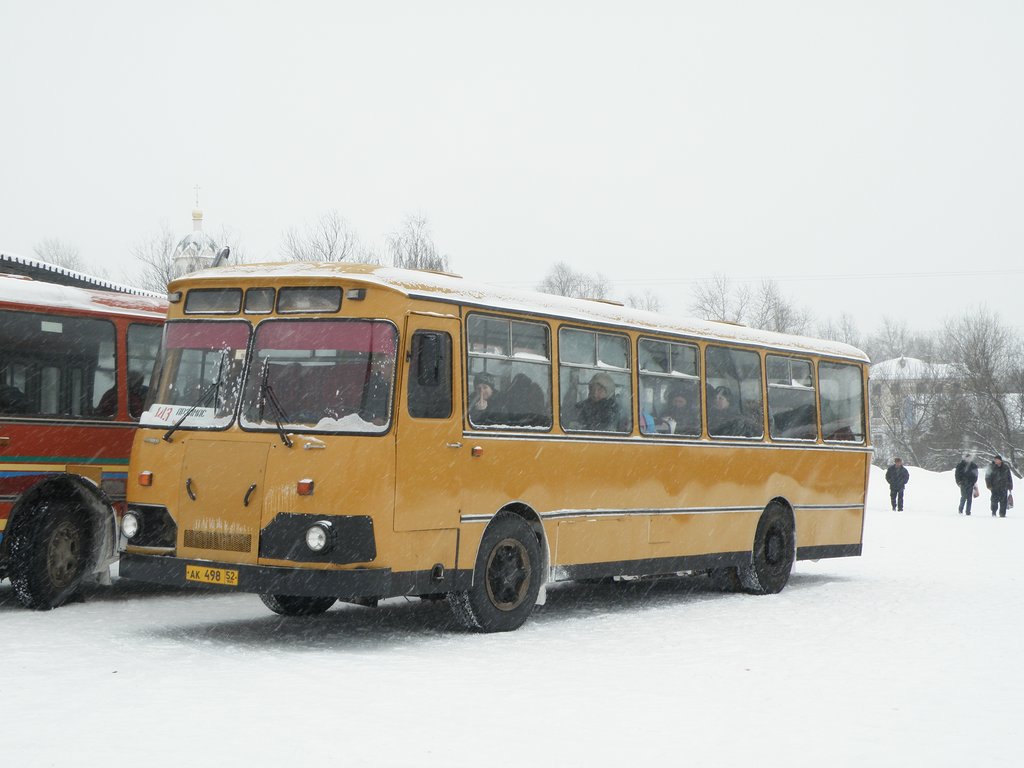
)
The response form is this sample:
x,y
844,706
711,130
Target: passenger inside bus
x,y
600,411
681,416
483,406
13,400
523,403
724,418
137,391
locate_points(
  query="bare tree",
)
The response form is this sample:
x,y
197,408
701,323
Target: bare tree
x,y
908,406
329,238
766,307
770,310
989,362
228,237
718,299
647,300
54,251
894,339
563,280
844,329
412,247
370,255
156,255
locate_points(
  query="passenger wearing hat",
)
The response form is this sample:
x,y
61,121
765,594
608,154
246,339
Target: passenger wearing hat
x,y
600,411
1000,482
483,398
966,475
681,415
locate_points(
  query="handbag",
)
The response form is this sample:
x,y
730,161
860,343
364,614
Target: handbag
x,y
976,493
1009,501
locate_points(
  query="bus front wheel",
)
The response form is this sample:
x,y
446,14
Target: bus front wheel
x,y
50,555
506,578
297,605
774,551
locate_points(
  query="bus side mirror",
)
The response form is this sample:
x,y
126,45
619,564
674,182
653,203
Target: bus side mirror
x,y
429,359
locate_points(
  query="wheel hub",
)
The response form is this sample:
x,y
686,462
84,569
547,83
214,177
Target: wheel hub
x,y
774,547
508,574
64,554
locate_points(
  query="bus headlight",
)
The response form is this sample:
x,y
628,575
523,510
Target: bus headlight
x,y
318,536
129,525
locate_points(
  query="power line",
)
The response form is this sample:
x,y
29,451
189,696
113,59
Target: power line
x,y
663,280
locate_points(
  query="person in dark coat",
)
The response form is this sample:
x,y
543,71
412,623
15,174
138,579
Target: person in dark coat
x,y
1000,482
600,411
966,476
680,416
897,477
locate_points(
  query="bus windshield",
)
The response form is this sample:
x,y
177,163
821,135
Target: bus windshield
x,y
199,378
321,376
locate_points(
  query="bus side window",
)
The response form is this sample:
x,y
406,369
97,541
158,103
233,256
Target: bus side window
x,y
734,405
430,375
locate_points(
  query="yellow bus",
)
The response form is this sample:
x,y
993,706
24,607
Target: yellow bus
x,y
317,432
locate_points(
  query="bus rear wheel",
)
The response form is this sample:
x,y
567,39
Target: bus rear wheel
x,y
506,578
297,605
771,560
50,555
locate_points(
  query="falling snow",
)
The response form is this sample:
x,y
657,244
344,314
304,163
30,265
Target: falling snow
x,y
909,655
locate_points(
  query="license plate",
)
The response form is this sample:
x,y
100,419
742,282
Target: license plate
x,y
223,576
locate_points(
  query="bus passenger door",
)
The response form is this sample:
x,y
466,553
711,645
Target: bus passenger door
x,y
429,445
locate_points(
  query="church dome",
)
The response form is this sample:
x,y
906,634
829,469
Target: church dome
x,y
196,250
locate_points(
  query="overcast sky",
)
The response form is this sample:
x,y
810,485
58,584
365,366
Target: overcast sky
x,y
867,155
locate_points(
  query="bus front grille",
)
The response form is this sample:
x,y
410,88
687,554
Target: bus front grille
x,y
232,542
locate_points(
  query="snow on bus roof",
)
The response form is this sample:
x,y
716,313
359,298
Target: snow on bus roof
x,y
17,289
453,288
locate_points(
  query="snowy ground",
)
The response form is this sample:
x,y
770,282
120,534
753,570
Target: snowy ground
x,y
910,655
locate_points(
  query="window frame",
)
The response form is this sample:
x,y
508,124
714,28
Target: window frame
x,y
628,371
510,358
698,379
251,359
813,389
757,353
32,366
864,414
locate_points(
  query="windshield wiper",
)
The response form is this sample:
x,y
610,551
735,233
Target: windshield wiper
x,y
204,398
267,393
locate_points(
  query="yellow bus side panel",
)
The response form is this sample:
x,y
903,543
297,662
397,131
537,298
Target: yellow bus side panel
x,y
816,527
702,498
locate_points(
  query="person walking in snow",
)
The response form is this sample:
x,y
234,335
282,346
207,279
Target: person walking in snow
x,y
966,476
897,477
1000,482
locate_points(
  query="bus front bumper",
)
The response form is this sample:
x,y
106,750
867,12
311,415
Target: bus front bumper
x,y
261,579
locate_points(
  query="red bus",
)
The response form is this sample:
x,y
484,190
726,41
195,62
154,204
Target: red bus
x,y
73,368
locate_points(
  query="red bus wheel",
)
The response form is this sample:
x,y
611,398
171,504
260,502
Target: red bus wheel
x,y
50,555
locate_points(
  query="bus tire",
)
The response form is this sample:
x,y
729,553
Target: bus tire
x,y
774,550
51,553
297,605
506,579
